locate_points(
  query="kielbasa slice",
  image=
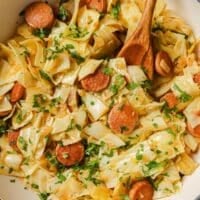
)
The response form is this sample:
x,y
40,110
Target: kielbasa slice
x,y
95,82
122,118
196,78
12,139
99,5
71,154
39,15
170,99
17,92
141,190
194,131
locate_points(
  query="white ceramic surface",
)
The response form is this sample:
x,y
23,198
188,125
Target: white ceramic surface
x,y
9,10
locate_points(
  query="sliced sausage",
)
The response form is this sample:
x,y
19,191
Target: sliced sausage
x,y
141,190
71,154
122,118
196,78
170,99
95,82
17,92
12,139
39,15
99,5
194,131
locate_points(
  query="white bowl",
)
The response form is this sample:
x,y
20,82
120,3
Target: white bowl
x,y
9,11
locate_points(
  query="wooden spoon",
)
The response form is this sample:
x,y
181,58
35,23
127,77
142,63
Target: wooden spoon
x,y
138,49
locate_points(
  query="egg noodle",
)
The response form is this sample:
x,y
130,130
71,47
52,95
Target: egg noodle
x,y
57,110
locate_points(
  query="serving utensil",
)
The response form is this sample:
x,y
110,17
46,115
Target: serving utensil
x,y
138,49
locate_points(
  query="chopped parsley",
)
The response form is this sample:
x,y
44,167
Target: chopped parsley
x,y
43,196
3,127
44,75
170,131
118,83
139,153
79,59
107,71
71,125
39,101
20,116
23,143
168,112
116,10
92,167
152,165
52,159
54,162
109,154
123,129
25,52
54,51
147,84
61,178
41,33
55,101
34,186
76,32
63,14
184,97
132,86
92,103
92,149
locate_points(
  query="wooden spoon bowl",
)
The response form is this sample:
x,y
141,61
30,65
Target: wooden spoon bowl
x,y
138,48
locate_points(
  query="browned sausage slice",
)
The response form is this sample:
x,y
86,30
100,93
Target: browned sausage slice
x,y
99,5
141,190
194,131
39,15
196,78
122,118
17,92
95,82
71,154
170,99
12,139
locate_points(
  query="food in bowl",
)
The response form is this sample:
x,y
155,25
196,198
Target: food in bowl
x,y
78,122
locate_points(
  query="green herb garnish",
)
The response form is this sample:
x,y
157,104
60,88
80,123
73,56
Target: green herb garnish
x,y
107,71
61,178
20,116
116,10
3,127
63,14
41,33
43,196
34,186
92,149
23,143
147,84
44,75
118,83
184,97
132,86
76,32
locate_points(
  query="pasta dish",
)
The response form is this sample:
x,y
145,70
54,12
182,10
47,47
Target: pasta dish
x,y
77,122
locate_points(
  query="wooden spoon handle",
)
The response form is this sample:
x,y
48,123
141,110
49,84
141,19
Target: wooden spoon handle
x,y
144,27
